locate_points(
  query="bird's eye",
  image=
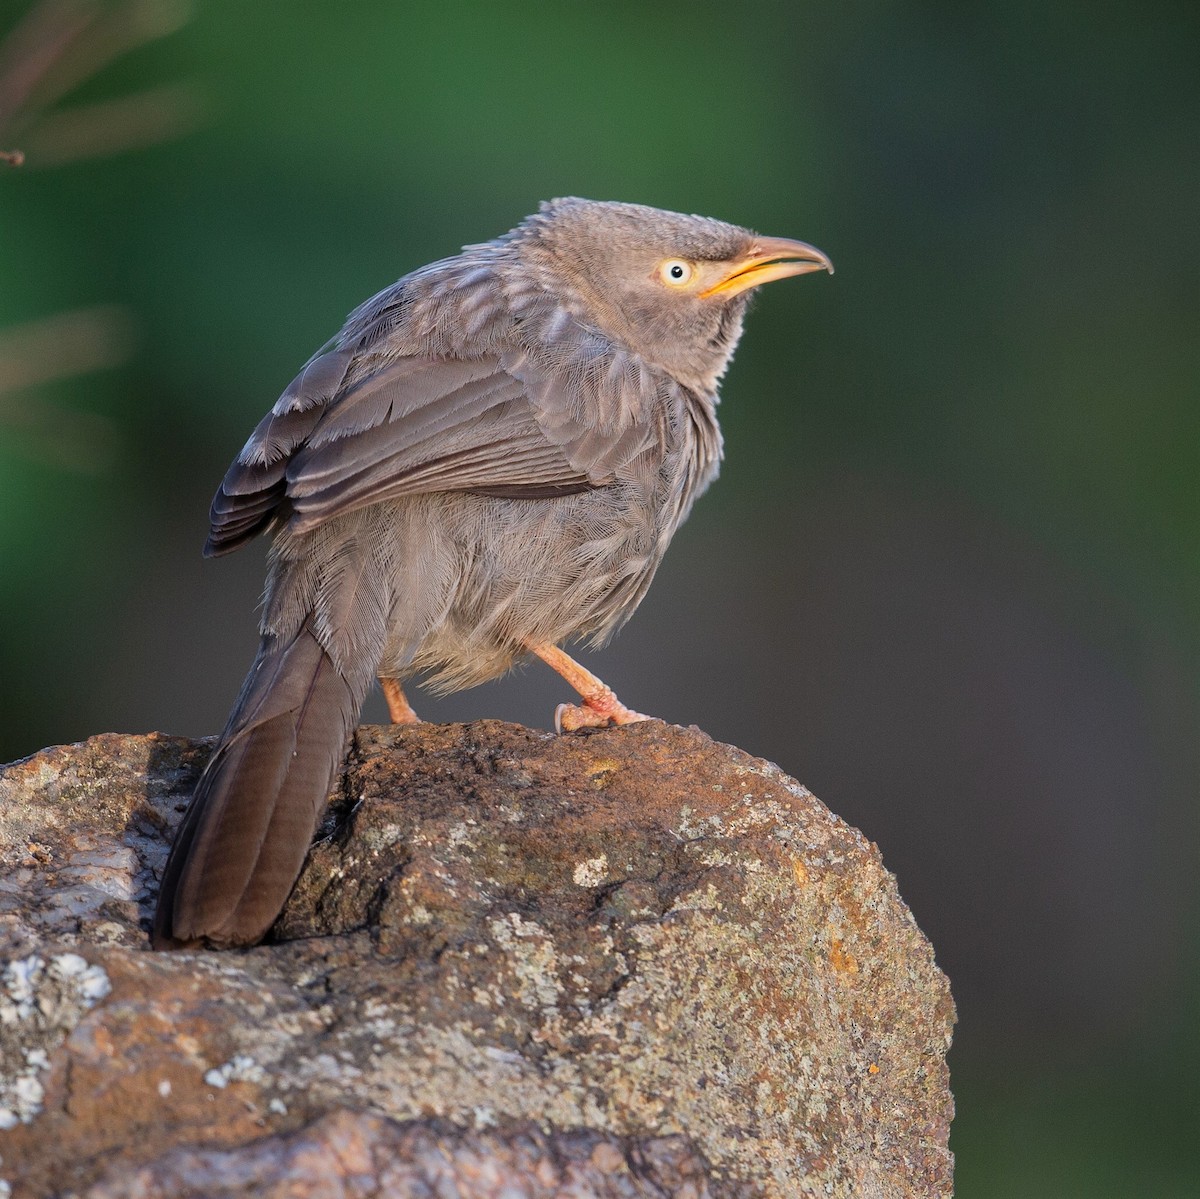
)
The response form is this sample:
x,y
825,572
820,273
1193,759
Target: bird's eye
x,y
676,273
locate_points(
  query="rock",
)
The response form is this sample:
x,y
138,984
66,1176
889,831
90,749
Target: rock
x,y
627,962
357,1153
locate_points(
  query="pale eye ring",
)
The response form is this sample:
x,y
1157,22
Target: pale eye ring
x,y
676,272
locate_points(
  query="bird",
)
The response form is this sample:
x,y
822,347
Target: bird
x,y
487,462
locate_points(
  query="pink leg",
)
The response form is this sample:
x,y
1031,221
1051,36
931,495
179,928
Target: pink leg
x,y
600,705
399,709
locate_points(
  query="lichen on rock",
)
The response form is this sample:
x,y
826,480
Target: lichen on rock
x,y
41,1001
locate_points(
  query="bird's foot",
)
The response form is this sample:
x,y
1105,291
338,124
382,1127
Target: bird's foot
x,y
399,709
594,713
600,705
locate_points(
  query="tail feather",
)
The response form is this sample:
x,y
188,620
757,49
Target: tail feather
x,y
244,838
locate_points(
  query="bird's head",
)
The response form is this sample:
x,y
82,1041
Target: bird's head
x,y
671,287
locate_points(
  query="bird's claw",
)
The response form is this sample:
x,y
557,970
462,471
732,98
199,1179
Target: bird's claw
x,y
569,717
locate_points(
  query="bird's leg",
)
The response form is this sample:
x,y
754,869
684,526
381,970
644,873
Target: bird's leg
x,y
399,709
600,705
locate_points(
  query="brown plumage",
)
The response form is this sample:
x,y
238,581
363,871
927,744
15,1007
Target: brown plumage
x,y
490,460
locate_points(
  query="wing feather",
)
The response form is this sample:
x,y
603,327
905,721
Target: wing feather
x,y
493,425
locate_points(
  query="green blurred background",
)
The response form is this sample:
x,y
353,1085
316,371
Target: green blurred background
x,y
950,577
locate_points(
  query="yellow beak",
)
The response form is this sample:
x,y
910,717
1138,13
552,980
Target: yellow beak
x,y
770,258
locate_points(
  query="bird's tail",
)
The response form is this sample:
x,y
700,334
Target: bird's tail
x,y
242,843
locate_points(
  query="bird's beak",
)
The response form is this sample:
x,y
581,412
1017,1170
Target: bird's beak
x,y
769,258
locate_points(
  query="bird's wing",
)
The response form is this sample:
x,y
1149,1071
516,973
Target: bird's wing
x,y
500,425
